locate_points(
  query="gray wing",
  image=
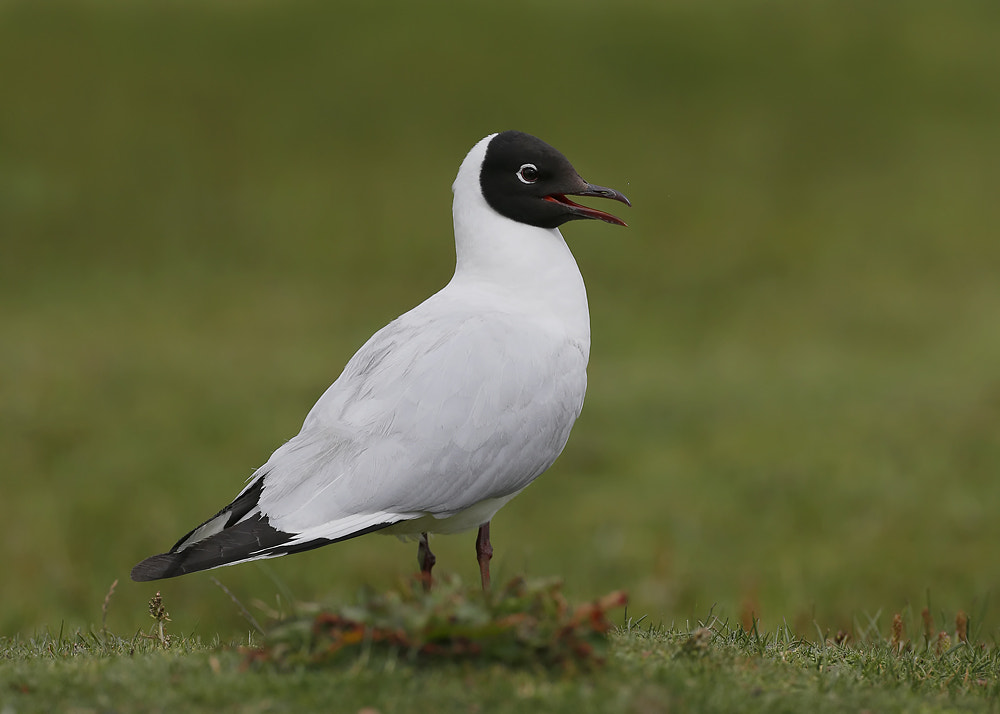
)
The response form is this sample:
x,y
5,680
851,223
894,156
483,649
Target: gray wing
x,y
431,416
438,411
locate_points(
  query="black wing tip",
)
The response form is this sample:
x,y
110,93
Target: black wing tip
x,y
251,539
157,567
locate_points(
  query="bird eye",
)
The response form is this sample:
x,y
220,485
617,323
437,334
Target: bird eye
x,y
528,173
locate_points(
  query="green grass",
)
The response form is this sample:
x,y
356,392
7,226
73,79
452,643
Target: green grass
x,y
794,401
709,667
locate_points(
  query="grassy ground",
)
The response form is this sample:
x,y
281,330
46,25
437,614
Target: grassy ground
x,y
711,667
794,410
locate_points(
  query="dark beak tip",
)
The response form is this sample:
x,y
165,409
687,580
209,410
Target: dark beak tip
x,y
604,192
621,198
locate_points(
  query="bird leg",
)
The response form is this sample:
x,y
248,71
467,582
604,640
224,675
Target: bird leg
x,y
484,552
426,560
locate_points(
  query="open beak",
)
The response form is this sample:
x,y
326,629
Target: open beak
x,y
590,189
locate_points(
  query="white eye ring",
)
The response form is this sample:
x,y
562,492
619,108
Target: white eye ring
x,y
528,173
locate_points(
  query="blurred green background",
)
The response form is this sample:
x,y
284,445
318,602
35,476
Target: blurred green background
x,y
794,405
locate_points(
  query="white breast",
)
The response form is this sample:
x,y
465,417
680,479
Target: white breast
x,y
458,404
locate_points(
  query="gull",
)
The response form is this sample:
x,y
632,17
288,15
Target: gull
x,y
452,409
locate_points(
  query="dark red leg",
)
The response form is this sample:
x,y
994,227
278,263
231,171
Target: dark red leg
x,y
484,551
426,560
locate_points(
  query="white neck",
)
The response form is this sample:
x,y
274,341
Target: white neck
x,y
527,265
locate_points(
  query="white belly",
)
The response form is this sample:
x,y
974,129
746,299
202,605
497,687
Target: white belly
x,y
460,522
